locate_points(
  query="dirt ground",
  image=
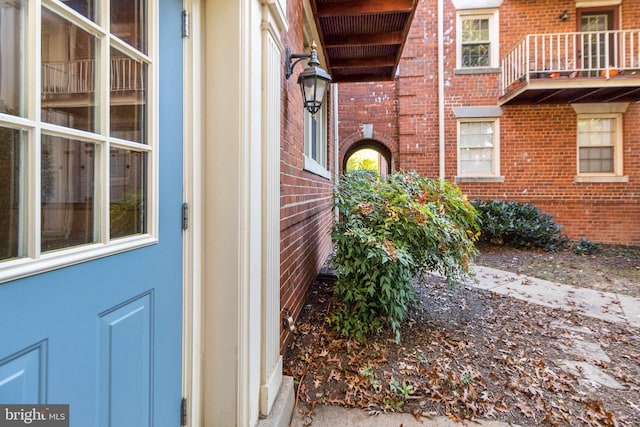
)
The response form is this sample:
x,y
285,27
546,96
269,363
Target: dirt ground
x,y
470,354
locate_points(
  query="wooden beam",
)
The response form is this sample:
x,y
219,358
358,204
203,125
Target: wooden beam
x,y
364,7
364,77
626,95
384,61
392,38
587,94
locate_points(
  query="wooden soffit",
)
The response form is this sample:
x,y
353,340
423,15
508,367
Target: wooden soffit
x,y
363,39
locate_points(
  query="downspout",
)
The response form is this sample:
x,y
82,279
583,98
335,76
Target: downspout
x,y
441,88
336,139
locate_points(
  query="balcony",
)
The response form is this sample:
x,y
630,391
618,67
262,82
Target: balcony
x,y
601,66
79,77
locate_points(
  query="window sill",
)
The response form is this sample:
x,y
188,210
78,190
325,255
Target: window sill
x,y
316,168
477,179
477,70
24,267
600,179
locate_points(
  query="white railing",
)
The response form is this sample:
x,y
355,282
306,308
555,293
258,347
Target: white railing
x,y
77,77
581,54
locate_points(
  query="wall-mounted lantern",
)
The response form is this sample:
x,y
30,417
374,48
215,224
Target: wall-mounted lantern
x,y
313,80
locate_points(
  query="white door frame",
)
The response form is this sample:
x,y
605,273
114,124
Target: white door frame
x,y
192,189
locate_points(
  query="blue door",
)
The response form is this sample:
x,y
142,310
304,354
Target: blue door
x,y
91,240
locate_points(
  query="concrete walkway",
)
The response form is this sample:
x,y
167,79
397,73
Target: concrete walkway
x,y
601,305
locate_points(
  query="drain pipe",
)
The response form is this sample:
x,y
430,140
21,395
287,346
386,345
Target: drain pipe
x,y
336,136
441,88
336,139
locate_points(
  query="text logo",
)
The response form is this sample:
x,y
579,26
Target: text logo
x,y
34,415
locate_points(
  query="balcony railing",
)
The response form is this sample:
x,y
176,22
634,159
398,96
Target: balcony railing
x,y
78,77
597,54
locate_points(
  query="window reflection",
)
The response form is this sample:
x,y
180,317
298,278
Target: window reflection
x,y
128,97
84,7
128,19
67,192
12,22
68,74
127,210
11,172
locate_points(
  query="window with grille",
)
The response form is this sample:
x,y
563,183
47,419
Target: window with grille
x,y
478,143
77,146
597,145
477,39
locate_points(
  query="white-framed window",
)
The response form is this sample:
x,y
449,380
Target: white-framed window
x,y
315,142
77,131
599,145
477,38
479,148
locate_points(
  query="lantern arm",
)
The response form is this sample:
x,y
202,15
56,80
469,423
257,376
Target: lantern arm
x,y
297,56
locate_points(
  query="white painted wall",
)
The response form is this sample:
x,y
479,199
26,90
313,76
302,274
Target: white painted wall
x,y
232,215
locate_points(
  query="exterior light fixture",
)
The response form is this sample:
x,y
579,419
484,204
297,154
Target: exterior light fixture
x,y
564,15
313,80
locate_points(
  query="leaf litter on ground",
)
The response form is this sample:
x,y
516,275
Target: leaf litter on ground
x,y
467,354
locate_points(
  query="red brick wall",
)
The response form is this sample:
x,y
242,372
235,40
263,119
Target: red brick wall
x,y
372,103
305,198
538,142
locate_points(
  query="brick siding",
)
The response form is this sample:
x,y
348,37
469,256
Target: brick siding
x,y
537,142
305,198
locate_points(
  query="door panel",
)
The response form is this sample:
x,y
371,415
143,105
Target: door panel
x,y
104,336
22,376
125,359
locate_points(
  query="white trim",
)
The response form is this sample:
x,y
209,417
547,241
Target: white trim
x,y
600,108
601,179
597,3
192,317
75,18
495,173
618,144
476,4
316,168
479,179
278,11
271,90
269,390
23,267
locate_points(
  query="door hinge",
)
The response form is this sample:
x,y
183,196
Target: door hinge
x,y
183,412
185,23
185,216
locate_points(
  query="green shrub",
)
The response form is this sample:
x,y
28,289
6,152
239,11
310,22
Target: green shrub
x,y
518,224
586,247
387,233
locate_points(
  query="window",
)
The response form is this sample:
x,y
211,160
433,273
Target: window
x,y
315,142
76,146
478,151
477,37
599,145
599,141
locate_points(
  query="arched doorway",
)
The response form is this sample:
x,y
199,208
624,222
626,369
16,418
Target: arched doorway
x,y
368,154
